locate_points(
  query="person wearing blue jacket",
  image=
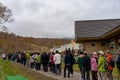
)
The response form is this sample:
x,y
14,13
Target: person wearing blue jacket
x,y
68,62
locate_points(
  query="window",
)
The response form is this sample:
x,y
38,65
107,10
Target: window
x,y
93,44
112,46
102,44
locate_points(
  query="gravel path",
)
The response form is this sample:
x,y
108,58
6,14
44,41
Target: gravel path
x,y
60,77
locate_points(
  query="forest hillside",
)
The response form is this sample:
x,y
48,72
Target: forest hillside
x,y
10,42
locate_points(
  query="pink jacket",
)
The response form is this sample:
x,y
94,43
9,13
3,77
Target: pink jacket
x,y
93,64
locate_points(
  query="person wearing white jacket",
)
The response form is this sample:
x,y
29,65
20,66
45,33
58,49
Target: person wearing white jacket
x,y
57,60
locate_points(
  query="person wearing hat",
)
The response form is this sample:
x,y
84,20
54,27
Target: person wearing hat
x,y
27,56
100,66
110,67
94,62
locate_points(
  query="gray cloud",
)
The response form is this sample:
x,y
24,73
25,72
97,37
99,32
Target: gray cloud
x,y
55,18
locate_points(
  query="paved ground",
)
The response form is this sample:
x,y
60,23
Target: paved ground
x,y
60,77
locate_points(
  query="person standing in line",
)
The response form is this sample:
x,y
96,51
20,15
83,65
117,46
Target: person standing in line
x,y
45,60
23,59
52,62
32,61
94,63
37,61
3,56
80,65
110,68
57,60
72,60
67,62
86,66
27,55
100,66
49,64
118,64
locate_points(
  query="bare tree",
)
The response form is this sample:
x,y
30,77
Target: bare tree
x,y
5,14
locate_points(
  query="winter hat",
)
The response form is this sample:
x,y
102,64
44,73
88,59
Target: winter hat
x,y
101,52
108,51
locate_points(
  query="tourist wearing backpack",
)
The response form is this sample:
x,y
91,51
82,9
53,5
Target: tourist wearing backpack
x,y
110,66
94,63
100,66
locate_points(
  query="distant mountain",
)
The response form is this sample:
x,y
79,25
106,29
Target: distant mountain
x,y
10,42
68,38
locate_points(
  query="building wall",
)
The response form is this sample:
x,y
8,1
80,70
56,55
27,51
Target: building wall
x,y
99,45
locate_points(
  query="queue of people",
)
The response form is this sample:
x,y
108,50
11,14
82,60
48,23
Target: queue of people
x,y
100,64
47,61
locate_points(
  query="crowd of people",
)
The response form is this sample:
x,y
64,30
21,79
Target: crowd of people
x,y
48,61
100,64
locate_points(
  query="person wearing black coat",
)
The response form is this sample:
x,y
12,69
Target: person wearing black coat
x,y
67,61
73,61
44,61
86,67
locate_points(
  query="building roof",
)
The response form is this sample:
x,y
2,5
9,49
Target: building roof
x,y
94,28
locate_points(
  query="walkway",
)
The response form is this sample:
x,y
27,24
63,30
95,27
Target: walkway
x,y
59,77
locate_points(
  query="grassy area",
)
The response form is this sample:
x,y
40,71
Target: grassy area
x,y
12,69
6,69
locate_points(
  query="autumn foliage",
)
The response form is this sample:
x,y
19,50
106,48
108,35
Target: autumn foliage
x,y
10,42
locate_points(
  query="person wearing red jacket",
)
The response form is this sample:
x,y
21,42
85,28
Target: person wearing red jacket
x,y
52,62
110,68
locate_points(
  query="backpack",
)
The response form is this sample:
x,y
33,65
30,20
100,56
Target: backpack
x,y
112,62
73,61
96,60
105,64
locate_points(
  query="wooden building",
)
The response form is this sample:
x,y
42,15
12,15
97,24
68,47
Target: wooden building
x,y
98,35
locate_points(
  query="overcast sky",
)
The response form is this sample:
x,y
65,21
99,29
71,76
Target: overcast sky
x,y
56,18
